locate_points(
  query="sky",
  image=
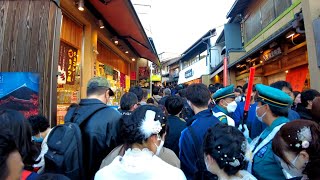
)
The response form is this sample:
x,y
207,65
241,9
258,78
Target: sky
x,y
175,25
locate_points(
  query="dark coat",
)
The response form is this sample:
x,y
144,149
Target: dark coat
x,y
188,157
100,133
176,126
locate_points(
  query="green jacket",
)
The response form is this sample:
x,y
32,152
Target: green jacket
x,y
265,165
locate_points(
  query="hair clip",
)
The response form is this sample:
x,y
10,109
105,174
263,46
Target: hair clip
x,y
149,126
235,163
305,137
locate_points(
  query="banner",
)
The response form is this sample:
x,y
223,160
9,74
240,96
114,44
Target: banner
x,y
297,77
22,95
133,76
67,64
122,80
144,73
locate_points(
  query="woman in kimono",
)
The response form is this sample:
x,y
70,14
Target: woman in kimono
x,y
297,146
142,133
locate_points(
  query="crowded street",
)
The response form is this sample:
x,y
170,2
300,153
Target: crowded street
x,y
159,89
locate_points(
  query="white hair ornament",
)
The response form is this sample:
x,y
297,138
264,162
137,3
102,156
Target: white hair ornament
x,y
304,135
149,126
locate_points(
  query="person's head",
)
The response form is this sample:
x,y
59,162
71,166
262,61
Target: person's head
x,y
218,85
237,92
225,98
198,96
283,86
182,93
240,87
138,91
128,102
253,93
174,105
167,92
297,97
155,90
150,101
272,103
212,89
98,88
297,144
145,128
315,111
11,164
15,122
145,95
307,97
39,125
224,149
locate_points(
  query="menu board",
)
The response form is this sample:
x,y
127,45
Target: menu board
x,y
67,64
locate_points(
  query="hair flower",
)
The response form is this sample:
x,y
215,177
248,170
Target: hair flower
x,y
149,126
235,163
305,144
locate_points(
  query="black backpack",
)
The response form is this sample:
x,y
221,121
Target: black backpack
x,y
202,173
65,150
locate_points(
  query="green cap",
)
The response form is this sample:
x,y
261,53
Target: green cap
x,y
224,93
98,82
273,96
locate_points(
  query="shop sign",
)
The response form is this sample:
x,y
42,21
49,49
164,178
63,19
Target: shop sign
x,y
188,73
133,75
272,54
67,64
144,73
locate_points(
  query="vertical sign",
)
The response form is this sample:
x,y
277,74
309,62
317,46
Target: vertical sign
x,y
67,64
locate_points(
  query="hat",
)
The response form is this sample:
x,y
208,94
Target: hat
x,y
224,93
98,82
273,96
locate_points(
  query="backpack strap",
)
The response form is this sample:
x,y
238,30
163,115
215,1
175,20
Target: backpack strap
x,y
198,147
83,117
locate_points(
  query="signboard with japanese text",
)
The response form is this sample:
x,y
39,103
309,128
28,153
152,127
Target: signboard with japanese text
x,y
67,64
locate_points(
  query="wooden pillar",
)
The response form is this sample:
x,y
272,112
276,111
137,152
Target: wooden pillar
x,y
29,42
311,11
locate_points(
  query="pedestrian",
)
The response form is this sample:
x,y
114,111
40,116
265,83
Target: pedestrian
x,y
286,87
272,109
40,132
254,126
225,105
100,133
304,108
11,165
19,128
225,149
297,146
174,105
150,101
155,95
186,112
128,103
142,132
315,110
297,100
166,93
198,97
238,94
139,93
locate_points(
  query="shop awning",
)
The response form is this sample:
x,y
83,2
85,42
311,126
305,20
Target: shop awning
x,y
122,18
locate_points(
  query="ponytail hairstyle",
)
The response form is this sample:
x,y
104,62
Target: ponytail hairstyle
x,y
227,146
297,136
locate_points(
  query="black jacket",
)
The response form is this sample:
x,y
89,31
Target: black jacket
x,y
176,126
100,133
303,112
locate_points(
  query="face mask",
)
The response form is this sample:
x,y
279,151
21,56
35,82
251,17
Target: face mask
x,y
231,107
238,99
159,147
291,172
37,139
260,118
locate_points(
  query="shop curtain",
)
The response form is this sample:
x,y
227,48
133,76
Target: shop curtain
x,y
297,77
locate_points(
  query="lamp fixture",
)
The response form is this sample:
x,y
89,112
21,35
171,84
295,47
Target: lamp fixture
x,y
116,42
100,23
127,52
290,34
81,5
287,71
261,62
133,59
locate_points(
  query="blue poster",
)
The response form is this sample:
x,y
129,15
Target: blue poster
x,y
20,91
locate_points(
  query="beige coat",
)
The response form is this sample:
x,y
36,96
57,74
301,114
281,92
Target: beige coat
x,y
167,155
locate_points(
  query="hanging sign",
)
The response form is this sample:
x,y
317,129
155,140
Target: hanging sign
x,y
67,64
272,54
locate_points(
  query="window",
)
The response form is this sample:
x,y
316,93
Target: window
x,y
263,16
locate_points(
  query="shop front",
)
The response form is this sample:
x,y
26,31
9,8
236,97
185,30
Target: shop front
x,y
193,73
282,57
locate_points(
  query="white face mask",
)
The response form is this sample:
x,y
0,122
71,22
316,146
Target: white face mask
x,y
159,147
260,118
291,172
231,107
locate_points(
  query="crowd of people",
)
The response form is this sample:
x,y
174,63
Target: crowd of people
x,y
183,132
